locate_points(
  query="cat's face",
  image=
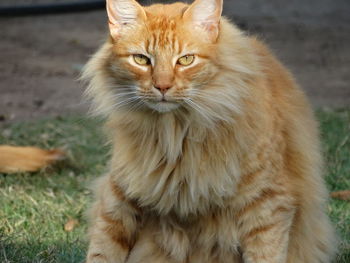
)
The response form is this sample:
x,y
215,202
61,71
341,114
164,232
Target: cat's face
x,y
163,54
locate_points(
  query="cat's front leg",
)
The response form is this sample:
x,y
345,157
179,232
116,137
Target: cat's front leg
x,y
265,226
266,244
113,224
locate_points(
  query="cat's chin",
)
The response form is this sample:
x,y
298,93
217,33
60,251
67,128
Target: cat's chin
x,y
163,106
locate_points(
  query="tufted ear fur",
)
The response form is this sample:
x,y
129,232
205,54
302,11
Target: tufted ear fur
x,y
121,14
206,15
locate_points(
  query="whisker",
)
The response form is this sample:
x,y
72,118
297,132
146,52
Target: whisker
x,y
125,102
137,106
226,102
197,108
123,94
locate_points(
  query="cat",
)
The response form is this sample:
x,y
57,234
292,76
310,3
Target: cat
x,y
215,149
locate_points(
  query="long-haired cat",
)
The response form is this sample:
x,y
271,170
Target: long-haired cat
x,y
216,155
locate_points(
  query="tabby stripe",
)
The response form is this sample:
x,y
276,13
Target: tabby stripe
x,y
117,191
281,209
261,229
116,230
248,179
265,195
119,194
154,37
203,56
123,55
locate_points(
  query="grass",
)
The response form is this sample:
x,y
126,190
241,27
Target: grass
x,y
35,207
335,131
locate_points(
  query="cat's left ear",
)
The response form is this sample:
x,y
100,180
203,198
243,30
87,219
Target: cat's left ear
x,y
122,14
206,15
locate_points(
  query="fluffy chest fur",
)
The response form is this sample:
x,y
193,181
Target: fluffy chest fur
x,y
174,165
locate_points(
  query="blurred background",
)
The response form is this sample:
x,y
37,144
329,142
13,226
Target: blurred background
x,y
42,55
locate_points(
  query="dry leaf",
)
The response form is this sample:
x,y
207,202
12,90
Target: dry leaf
x,y
342,195
27,159
70,225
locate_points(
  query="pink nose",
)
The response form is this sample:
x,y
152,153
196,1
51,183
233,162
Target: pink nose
x,y
163,89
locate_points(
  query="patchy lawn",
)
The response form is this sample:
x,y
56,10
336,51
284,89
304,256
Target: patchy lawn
x,y
35,207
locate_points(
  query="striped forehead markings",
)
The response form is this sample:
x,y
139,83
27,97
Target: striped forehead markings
x,y
163,34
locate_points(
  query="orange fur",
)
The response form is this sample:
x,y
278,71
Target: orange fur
x,y
223,167
26,159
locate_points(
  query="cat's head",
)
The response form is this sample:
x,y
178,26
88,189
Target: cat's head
x,y
165,49
166,57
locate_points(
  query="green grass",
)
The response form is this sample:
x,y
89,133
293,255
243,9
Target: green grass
x,y
335,131
35,207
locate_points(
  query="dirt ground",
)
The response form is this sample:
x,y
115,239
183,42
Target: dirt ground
x,y
41,56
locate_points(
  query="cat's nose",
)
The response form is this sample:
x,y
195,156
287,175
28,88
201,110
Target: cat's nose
x,y
163,88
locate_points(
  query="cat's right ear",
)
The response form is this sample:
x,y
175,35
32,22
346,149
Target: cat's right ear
x,y
122,14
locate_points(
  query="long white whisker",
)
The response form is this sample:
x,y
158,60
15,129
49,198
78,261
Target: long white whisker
x,y
125,102
137,106
198,109
123,94
206,98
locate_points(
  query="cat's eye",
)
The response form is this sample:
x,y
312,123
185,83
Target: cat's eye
x,y
142,60
186,60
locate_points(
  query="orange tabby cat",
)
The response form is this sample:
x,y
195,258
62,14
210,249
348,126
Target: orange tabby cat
x,y
216,154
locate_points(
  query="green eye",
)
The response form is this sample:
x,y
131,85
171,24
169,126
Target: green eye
x,y
141,59
186,60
